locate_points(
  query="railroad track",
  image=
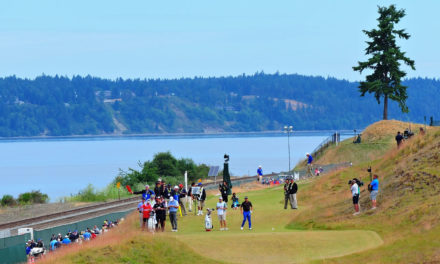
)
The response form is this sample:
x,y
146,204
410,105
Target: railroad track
x,y
77,214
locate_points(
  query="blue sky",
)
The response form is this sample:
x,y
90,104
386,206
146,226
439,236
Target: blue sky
x,y
173,39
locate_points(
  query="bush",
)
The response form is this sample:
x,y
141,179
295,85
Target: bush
x,y
33,197
8,200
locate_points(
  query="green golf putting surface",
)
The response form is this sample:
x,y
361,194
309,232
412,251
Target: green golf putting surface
x,y
279,247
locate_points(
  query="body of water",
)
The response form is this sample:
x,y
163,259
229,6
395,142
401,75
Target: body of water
x,y
60,167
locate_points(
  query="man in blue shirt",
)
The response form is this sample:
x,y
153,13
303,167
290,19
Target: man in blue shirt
x,y
374,190
145,193
66,240
309,164
260,174
173,207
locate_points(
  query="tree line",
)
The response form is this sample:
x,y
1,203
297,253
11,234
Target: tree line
x,y
62,106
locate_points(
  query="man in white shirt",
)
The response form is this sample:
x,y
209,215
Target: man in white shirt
x,y
221,212
355,194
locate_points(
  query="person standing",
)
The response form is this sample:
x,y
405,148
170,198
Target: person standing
x,y
246,209
260,174
374,190
221,213
173,207
145,193
309,164
190,197
201,199
182,198
399,139
287,187
160,208
224,189
292,194
354,188
139,207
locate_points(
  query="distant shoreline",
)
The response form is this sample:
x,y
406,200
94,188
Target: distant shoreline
x,y
273,133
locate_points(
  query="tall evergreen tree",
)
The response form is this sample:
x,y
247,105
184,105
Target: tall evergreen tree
x,y
385,60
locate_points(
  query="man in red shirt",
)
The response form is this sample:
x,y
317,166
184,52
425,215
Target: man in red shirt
x,y
146,207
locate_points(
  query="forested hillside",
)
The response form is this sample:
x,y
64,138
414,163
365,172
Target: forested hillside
x,y
59,106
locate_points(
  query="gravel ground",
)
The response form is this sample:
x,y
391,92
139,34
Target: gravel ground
x,y
28,211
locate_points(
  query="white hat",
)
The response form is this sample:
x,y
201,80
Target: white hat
x,y
307,154
259,166
171,198
147,186
176,187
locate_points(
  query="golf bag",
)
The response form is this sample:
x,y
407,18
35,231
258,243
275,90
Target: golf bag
x,y
151,223
37,251
208,220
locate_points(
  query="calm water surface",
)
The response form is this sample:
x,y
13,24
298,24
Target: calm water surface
x,y
62,167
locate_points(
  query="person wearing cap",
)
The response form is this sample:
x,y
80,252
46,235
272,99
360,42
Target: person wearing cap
x,y
201,199
160,209
246,209
159,189
173,206
309,164
182,198
292,194
224,189
145,193
287,187
260,174
139,208
190,197
221,213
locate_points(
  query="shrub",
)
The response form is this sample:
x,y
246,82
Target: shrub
x,y
33,197
8,200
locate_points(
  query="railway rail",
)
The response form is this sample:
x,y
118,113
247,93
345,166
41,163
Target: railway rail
x,y
69,216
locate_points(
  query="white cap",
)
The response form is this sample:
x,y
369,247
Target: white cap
x,y
147,186
259,166
171,198
307,154
176,187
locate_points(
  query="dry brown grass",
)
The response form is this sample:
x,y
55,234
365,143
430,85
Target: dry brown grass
x,y
408,214
113,237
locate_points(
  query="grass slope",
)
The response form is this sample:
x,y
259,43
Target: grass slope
x,y
409,210
404,229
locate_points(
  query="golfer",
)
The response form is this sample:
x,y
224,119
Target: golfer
x,y
246,209
221,213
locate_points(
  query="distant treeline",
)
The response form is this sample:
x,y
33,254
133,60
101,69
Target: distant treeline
x,y
60,106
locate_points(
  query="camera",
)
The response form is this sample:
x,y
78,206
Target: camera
x,y
369,169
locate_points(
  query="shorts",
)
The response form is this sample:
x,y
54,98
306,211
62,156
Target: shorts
x,y
145,219
200,203
356,199
222,217
373,194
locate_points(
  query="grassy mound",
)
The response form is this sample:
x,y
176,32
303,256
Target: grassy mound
x,y
377,139
408,215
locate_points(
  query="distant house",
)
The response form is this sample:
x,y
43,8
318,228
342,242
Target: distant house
x,y
112,101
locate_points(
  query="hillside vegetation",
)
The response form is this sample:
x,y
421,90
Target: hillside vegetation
x,y
61,106
403,229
